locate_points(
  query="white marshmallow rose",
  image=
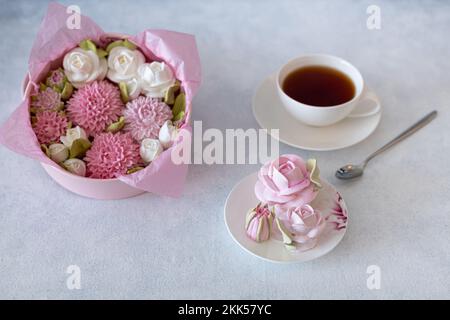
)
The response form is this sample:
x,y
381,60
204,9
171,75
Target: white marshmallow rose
x,y
123,64
84,66
150,149
167,134
58,152
72,135
75,166
155,78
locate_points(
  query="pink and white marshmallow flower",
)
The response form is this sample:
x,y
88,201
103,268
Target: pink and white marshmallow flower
x,y
258,223
300,227
285,183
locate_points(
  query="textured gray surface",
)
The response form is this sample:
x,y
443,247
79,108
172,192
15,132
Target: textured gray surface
x,y
154,247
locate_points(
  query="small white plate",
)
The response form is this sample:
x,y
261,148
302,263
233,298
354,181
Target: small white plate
x,y
328,201
271,114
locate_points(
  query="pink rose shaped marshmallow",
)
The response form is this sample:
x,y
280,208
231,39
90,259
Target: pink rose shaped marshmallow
x,y
285,182
300,227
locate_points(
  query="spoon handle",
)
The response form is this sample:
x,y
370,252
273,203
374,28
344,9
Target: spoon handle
x,y
419,124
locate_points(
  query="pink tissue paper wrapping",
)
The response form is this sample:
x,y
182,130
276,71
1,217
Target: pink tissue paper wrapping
x,y
54,39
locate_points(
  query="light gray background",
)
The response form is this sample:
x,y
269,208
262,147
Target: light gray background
x,y
156,247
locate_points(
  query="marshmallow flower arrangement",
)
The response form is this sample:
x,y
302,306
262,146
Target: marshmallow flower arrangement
x,y
107,111
285,188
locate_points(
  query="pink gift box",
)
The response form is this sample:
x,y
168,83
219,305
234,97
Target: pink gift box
x,y
53,40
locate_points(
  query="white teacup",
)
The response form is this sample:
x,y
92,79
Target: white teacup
x,y
324,116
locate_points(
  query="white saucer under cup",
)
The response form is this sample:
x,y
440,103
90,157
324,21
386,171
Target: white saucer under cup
x,y
242,198
271,114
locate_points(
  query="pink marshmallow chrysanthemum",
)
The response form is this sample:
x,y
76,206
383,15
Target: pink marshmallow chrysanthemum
x,y
144,117
49,126
95,106
111,155
47,99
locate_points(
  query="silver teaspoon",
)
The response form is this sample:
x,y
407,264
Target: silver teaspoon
x,y
351,171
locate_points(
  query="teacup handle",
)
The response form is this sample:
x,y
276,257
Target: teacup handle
x,y
367,106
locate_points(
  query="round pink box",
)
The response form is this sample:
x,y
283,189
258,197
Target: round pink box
x,y
103,189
